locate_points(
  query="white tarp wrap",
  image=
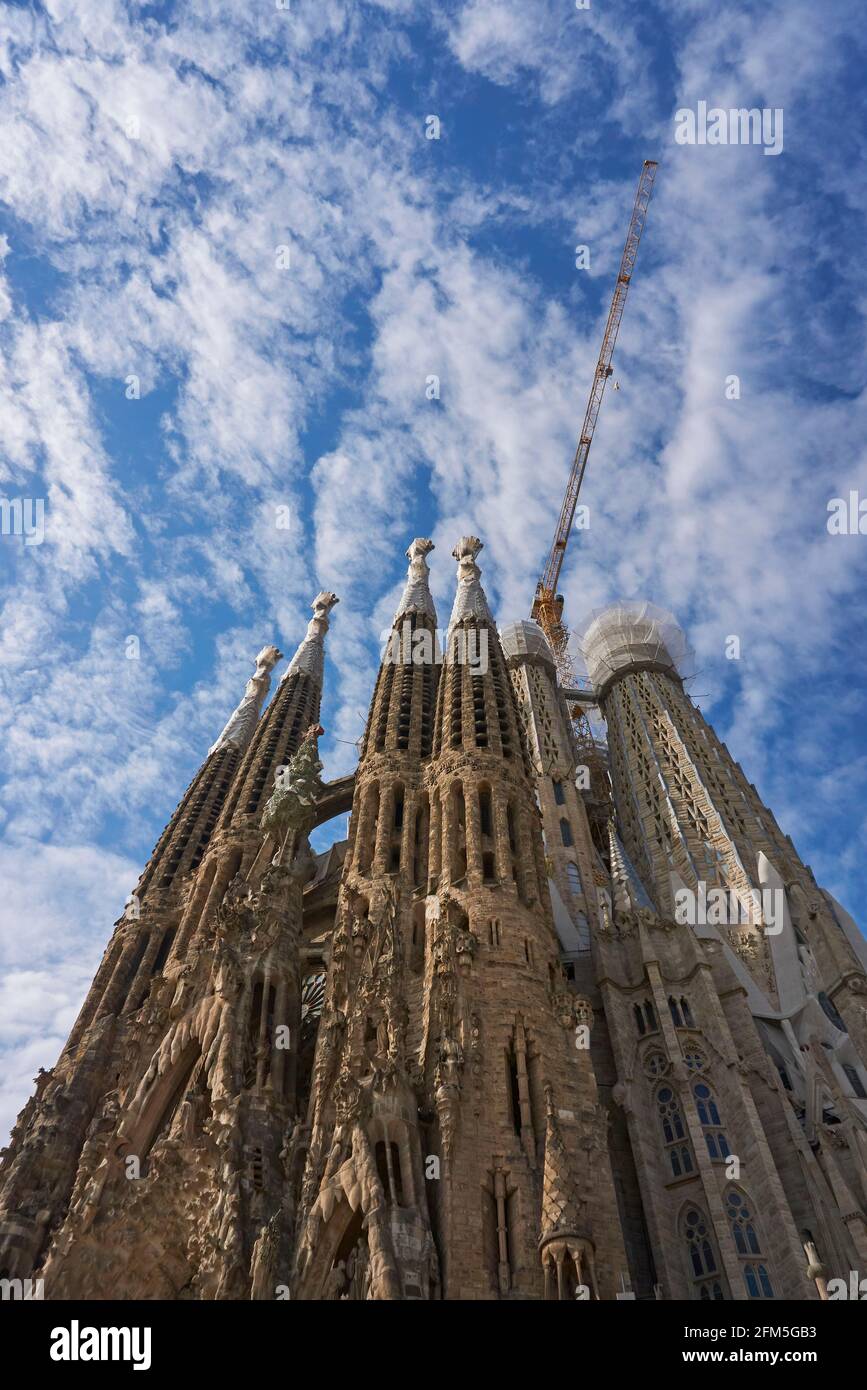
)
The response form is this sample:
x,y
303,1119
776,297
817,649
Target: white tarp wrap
x,y
631,634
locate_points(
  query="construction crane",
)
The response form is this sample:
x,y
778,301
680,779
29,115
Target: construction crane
x,y
548,604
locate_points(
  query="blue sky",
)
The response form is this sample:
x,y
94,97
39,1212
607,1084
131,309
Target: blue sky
x,y
155,157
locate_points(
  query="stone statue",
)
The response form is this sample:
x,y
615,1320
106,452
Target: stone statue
x,y
336,1281
450,1061
358,1271
292,805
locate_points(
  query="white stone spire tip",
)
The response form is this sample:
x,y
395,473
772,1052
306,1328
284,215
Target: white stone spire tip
x,y
241,724
416,596
470,601
310,655
419,548
323,604
467,547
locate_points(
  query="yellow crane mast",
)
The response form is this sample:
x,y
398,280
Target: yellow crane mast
x,y
548,604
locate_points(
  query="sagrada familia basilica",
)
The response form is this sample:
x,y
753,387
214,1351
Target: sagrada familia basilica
x,y
501,1043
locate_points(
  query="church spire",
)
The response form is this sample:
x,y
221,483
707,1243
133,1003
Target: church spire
x,y
184,840
416,598
567,1253
476,706
470,600
401,711
290,714
242,723
628,892
310,656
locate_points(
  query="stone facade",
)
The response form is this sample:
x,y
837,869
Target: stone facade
x,y
476,1051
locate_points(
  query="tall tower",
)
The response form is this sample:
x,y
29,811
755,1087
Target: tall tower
x,y
456,1133
567,782
40,1164
690,816
553,1055
572,863
731,988
150,1159
364,1228
503,1029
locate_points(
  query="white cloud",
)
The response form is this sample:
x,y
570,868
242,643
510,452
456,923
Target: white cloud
x,y
55,916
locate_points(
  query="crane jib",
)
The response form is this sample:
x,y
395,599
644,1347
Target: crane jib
x,y
545,607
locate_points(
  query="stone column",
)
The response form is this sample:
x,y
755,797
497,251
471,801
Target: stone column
x,y
503,1269
473,832
144,971
366,829
116,989
407,835
435,837
449,833
384,830
505,867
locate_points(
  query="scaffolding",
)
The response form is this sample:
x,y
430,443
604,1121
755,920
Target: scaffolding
x,y
632,636
592,752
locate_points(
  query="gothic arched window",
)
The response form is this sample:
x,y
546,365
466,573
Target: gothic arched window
x,y
708,1111
745,1235
573,878
669,1111
674,1133
710,1120
559,793
757,1281
702,1256
566,833
743,1230
681,1161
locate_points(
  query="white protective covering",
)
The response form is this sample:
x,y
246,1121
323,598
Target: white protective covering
x,y
525,638
631,634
